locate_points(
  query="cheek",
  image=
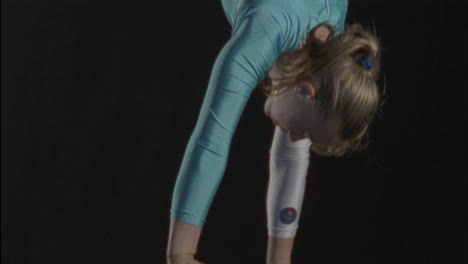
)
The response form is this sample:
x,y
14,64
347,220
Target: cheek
x,y
286,111
326,134
276,113
288,119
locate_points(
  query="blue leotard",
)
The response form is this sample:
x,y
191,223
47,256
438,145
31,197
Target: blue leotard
x,y
261,31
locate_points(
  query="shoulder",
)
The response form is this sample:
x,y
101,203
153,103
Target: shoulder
x,y
337,14
268,21
271,13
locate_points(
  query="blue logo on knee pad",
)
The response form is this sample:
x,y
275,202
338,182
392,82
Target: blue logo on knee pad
x,y
288,215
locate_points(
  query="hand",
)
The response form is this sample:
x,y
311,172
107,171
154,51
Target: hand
x,y
182,258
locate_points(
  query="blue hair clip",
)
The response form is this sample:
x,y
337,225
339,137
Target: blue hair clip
x,y
366,62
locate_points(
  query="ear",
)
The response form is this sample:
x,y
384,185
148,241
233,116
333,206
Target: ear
x,y
309,89
322,34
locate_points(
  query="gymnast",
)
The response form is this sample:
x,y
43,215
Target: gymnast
x,y
320,82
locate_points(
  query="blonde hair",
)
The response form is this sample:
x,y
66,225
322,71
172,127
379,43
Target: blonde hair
x,y
346,90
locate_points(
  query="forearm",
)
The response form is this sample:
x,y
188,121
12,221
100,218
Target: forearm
x,y
289,163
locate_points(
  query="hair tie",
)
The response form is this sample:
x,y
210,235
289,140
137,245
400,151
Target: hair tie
x,y
366,62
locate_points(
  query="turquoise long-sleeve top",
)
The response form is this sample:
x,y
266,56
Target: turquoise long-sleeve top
x,y
261,31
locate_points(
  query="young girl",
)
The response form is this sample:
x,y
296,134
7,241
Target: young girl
x,y
321,95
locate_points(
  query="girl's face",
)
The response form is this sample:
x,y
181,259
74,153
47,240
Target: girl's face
x,y
296,112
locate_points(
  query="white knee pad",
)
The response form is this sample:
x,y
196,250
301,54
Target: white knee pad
x,y
289,162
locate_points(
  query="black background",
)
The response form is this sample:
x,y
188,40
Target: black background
x,y
99,99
